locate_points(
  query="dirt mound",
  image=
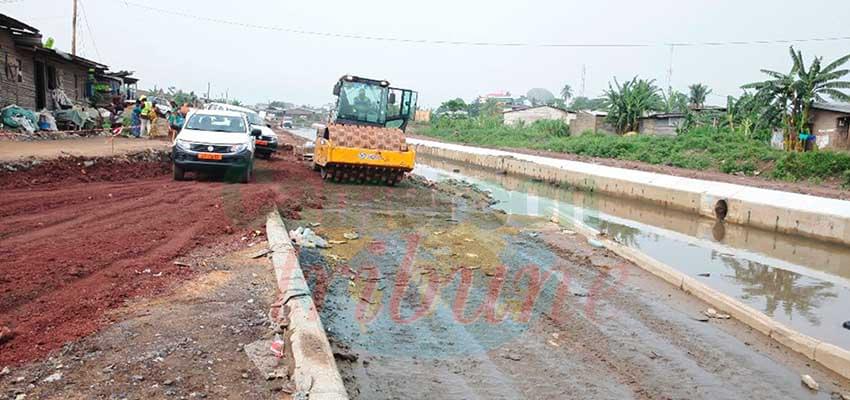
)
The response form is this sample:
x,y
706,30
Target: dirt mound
x,y
32,173
73,251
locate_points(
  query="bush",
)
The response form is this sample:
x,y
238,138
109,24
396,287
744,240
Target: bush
x,y
699,148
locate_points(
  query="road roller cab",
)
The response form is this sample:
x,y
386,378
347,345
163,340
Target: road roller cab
x,y
364,141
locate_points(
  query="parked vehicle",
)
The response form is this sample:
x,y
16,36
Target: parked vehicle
x,y
266,143
215,141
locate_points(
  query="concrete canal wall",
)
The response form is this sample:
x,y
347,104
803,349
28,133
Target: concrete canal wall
x,y
792,213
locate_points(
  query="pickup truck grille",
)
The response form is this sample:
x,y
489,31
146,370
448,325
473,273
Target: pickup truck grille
x,y
215,148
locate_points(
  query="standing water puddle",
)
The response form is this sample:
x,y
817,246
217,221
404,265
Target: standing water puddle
x,y
800,282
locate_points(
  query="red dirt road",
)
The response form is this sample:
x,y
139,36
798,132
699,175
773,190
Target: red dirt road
x,y
71,251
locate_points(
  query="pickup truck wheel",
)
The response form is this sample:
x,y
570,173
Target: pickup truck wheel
x,y
246,174
178,172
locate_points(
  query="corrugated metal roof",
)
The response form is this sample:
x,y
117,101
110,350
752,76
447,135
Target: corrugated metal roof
x,y
836,107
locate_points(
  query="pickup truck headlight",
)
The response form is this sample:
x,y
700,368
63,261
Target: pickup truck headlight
x,y
236,148
183,144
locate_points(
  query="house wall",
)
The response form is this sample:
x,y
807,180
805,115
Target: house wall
x,y
659,126
70,77
585,122
829,134
11,91
536,114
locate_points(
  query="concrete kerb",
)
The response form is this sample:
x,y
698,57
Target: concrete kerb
x,y
830,356
315,373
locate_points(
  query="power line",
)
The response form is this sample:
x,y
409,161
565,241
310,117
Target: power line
x,y
474,43
91,34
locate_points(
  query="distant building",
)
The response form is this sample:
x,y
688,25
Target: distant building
x,y
591,122
830,122
669,124
530,114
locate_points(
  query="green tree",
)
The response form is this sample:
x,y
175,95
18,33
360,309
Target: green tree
x,y
540,96
797,91
557,103
675,101
628,102
452,105
698,94
566,93
583,103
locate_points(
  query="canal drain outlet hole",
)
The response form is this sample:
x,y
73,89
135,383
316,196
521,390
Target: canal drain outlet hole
x,y
721,208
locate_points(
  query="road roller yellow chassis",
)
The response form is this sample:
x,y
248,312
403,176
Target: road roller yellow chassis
x,y
348,164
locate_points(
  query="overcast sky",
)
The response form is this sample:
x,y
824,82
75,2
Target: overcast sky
x,y
257,65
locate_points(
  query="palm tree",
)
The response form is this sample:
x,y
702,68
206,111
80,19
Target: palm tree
x,y
628,102
674,101
698,93
797,91
567,93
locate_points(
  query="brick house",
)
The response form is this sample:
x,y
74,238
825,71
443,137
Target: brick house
x,y
591,121
531,114
830,122
31,72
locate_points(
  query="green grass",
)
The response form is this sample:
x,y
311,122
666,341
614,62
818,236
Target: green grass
x,y
702,148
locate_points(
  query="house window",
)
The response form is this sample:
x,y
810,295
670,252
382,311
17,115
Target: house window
x,y
76,87
842,122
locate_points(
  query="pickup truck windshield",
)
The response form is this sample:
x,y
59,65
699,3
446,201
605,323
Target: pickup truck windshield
x,y
216,123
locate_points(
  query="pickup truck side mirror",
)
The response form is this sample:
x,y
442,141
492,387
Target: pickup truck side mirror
x,y
256,133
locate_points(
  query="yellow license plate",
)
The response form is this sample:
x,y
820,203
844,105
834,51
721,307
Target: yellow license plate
x,y
261,142
209,156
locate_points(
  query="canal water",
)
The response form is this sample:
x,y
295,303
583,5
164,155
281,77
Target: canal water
x,y
800,282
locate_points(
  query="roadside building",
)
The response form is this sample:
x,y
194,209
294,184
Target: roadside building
x,y
423,115
662,124
591,122
830,122
531,114
36,77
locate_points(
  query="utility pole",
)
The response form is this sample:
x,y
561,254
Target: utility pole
x,y
670,69
583,78
74,30
208,91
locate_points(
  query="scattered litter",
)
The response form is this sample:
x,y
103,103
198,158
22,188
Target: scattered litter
x,y
351,235
512,356
473,267
472,255
337,241
533,234
552,342
712,313
158,274
315,224
277,346
580,294
21,396
701,318
5,371
595,243
261,253
810,382
554,219
705,274
555,335
568,232
53,378
305,237
438,233
181,264
468,240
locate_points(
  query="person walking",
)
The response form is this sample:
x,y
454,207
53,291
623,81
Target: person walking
x,y
145,115
136,119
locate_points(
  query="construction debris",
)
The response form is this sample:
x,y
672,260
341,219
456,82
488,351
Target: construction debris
x,y
712,313
810,382
351,235
305,237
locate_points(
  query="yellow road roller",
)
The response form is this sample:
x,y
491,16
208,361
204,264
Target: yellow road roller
x,y
364,140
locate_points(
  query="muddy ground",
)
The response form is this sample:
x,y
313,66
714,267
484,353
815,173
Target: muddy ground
x,y
437,296
74,248
440,294
831,189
